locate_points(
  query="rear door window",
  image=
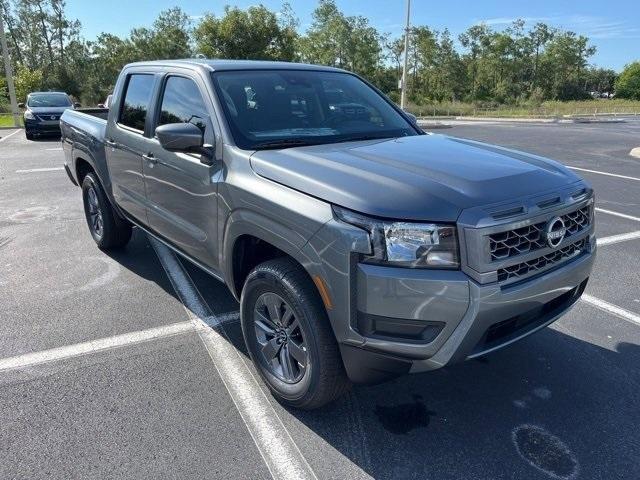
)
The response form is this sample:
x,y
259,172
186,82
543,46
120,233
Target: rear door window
x,y
136,101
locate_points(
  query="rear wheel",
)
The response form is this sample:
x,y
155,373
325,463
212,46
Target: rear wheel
x,y
288,336
107,229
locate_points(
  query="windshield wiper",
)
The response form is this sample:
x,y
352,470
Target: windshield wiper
x,y
284,143
360,138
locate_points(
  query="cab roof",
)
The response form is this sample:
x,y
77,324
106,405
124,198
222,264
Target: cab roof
x,y
219,65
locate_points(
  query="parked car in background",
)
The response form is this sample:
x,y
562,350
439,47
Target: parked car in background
x,y
359,247
43,112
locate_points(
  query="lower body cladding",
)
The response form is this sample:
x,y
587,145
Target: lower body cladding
x,y
418,320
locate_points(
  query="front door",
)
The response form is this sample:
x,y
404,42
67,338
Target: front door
x,y
125,144
181,187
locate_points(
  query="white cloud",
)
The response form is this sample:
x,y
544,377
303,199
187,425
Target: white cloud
x,y
593,26
510,20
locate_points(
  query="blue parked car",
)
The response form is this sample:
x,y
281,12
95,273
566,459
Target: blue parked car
x,y
43,112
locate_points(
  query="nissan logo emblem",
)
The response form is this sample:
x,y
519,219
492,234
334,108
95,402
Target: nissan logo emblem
x,y
53,117
555,232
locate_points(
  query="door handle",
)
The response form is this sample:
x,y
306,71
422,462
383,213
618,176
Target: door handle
x,y
111,143
150,158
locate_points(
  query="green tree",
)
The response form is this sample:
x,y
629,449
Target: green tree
x,y
564,64
628,83
337,40
538,38
109,54
27,80
475,40
255,33
168,37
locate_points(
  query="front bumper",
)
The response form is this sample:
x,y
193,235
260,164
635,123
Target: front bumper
x,y
419,320
38,127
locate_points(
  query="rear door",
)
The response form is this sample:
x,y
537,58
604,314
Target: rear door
x,y
182,187
125,143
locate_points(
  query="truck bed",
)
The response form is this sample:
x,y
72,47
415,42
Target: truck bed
x,y
83,134
76,125
95,112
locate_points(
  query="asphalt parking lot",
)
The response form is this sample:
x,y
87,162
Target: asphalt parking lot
x,y
131,365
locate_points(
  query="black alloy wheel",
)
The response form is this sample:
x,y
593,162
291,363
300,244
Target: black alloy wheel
x,y
281,339
96,222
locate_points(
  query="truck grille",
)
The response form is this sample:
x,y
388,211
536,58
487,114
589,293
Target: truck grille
x,y
542,262
527,239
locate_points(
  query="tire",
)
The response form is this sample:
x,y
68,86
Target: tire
x,y
107,229
29,135
308,335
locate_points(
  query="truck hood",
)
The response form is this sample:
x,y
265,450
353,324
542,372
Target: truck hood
x,y
425,177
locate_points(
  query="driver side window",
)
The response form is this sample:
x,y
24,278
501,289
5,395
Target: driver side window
x,y
182,102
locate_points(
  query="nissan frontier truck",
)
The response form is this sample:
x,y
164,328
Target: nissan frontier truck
x,y
359,247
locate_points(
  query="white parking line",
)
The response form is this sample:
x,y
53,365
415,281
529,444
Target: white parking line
x,y
33,170
93,346
623,237
280,453
605,173
12,133
611,308
617,214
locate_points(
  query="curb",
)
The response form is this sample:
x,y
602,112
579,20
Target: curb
x,y
11,128
554,120
433,126
509,120
598,120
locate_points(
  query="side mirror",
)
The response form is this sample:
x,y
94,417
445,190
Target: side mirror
x,y
21,105
77,105
101,105
184,137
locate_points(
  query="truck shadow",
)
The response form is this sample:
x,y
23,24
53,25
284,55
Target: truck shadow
x,y
140,258
552,406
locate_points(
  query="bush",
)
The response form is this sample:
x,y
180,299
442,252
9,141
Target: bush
x,y
628,83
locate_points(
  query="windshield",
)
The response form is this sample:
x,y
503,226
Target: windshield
x,y
49,100
280,108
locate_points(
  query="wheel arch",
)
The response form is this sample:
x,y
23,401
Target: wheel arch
x,y
84,163
250,239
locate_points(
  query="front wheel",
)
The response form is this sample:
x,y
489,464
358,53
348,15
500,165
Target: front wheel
x,y
288,335
29,135
107,229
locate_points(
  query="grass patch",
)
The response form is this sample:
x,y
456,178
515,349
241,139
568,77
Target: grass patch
x,y
6,120
546,109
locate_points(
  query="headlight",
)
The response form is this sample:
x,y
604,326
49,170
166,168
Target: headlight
x,y
407,244
29,115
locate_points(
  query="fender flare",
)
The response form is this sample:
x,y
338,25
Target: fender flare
x,y
245,222
100,169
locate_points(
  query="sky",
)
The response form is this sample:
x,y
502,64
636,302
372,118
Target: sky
x,y
613,28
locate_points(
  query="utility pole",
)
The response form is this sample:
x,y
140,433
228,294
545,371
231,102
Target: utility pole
x,y
9,73
403,94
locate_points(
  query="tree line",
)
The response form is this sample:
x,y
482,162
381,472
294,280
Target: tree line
x,y
515,65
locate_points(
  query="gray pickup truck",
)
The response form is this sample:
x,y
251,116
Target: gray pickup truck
x,y
359,247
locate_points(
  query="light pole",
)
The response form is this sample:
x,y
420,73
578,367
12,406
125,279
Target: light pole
x,y
9,74
403,94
